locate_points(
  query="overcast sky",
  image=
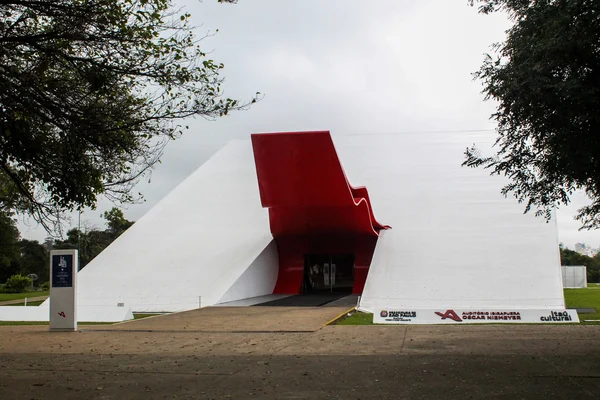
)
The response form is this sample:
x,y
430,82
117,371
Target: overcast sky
x,y
348,66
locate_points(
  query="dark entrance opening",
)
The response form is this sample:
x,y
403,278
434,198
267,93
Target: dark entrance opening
x,y
328,273
327,279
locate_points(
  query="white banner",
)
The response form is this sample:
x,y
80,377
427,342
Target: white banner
x,y
473,316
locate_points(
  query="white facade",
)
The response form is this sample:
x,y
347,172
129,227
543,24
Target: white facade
x,y
84,314
455,240
190,249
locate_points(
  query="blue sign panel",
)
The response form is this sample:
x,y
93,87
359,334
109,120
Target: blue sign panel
x,y
62,271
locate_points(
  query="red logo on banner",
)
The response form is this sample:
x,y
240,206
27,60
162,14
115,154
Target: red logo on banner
x,y
449,314
62,314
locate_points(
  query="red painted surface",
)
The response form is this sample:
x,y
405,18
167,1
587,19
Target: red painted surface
x,y
312,207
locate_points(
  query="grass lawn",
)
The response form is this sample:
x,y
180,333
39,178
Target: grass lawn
x,y
575,298
584,298
13,323
140,316
358,318
17,296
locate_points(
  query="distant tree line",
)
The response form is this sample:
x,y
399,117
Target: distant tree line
x,y
20,256
91,242
24,257
570,257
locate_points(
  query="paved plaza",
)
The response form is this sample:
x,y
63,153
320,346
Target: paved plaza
x,y
287,353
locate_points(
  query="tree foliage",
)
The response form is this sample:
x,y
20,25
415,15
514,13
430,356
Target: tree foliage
x,y
90,92
116,222
9,247
17,284
546,79
20,256
34,258
91,242
24,257
570,257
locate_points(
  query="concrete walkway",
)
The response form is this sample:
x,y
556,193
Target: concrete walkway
x,y
179,356
236,319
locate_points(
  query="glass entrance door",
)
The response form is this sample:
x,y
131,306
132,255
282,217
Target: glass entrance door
x,y
328,273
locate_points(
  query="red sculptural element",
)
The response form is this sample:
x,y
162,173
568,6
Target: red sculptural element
x,y
312,207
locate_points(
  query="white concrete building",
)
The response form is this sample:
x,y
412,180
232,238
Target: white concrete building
x,y
276,214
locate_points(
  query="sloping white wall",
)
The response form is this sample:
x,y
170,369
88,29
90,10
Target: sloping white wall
x,y
455,240
194,243
259,279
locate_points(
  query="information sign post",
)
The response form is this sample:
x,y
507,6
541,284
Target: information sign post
x,y
63,290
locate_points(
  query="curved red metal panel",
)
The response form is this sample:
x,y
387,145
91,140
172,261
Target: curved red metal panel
x,y
302,182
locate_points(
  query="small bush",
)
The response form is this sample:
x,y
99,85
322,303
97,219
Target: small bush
x,y
45,286
17,284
